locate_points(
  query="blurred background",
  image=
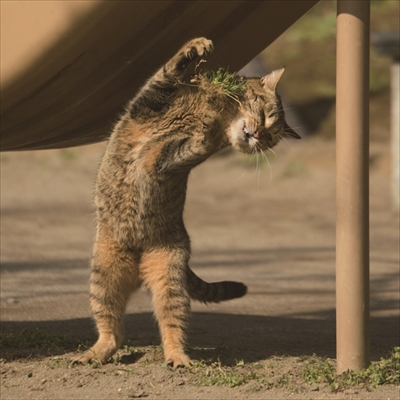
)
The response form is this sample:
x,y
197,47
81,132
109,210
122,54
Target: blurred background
x,y
308,50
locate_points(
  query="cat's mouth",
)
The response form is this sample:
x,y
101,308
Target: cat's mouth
x,y
250,135
245,138
260,138
246,132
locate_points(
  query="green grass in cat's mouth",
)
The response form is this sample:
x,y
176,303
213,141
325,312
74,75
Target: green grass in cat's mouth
x,y
232,85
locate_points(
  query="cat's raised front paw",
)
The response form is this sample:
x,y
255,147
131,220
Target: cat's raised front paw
x,y
198,47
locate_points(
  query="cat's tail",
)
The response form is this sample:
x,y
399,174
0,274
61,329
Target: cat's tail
x,y
214,292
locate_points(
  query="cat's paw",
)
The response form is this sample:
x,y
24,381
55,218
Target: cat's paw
x,y
91,357
178,359
197,48
186,56
83,359
210,119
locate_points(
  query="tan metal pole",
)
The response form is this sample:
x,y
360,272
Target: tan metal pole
x,y
395,133
352,185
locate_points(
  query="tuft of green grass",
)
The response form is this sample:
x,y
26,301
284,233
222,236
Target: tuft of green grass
x,y
232,85
314,371
215,374
317,370
386,371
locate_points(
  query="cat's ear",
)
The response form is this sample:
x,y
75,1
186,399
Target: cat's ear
x,y
271,80
290,132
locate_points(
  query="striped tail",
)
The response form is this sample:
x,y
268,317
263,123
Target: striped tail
x,y
213,292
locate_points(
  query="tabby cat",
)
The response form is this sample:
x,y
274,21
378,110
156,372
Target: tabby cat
x,y
173,124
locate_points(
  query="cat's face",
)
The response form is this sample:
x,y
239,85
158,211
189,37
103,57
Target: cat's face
x,y
260,122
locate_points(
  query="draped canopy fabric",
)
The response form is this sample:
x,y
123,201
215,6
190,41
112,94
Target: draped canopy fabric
x,y
72,94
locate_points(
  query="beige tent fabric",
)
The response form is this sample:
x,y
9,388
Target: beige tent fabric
x,y
68,68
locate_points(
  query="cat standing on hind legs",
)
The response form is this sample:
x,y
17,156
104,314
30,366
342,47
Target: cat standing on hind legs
x,y
171,126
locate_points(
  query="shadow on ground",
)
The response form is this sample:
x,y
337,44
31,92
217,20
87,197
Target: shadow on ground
x,y
228,337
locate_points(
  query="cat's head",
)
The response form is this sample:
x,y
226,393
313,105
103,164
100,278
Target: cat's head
x,y
260,123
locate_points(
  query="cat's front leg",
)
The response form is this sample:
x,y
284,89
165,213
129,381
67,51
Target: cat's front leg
x,y
156,95
190,52
212,137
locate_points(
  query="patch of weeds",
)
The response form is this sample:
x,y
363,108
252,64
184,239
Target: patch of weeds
x,y
117,359
58,362
317,370
282,381
145,363
215,374
156,349
386,371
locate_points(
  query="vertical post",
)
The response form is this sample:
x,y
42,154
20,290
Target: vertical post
x,y
395,132
352,185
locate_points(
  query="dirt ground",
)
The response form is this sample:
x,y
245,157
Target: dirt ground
x,y
270,227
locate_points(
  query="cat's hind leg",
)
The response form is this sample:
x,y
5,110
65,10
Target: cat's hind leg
x,y
114,276
163,271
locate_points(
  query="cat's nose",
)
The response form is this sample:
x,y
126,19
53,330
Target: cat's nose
x,y
261,132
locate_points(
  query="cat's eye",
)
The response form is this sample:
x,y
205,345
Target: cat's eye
x,y
262,119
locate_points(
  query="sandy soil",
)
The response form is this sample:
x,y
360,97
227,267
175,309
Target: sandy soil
x,y
272,228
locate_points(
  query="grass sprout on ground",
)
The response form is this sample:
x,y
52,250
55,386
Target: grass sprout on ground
x,y
294,374
204,374
387,371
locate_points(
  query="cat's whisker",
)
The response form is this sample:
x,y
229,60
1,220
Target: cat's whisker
x,y
250,153
288,108
283,109
284,140
255,155
259,170
241,176
273,152
269,166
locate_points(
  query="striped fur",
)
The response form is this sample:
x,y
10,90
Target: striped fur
x,y
168,128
